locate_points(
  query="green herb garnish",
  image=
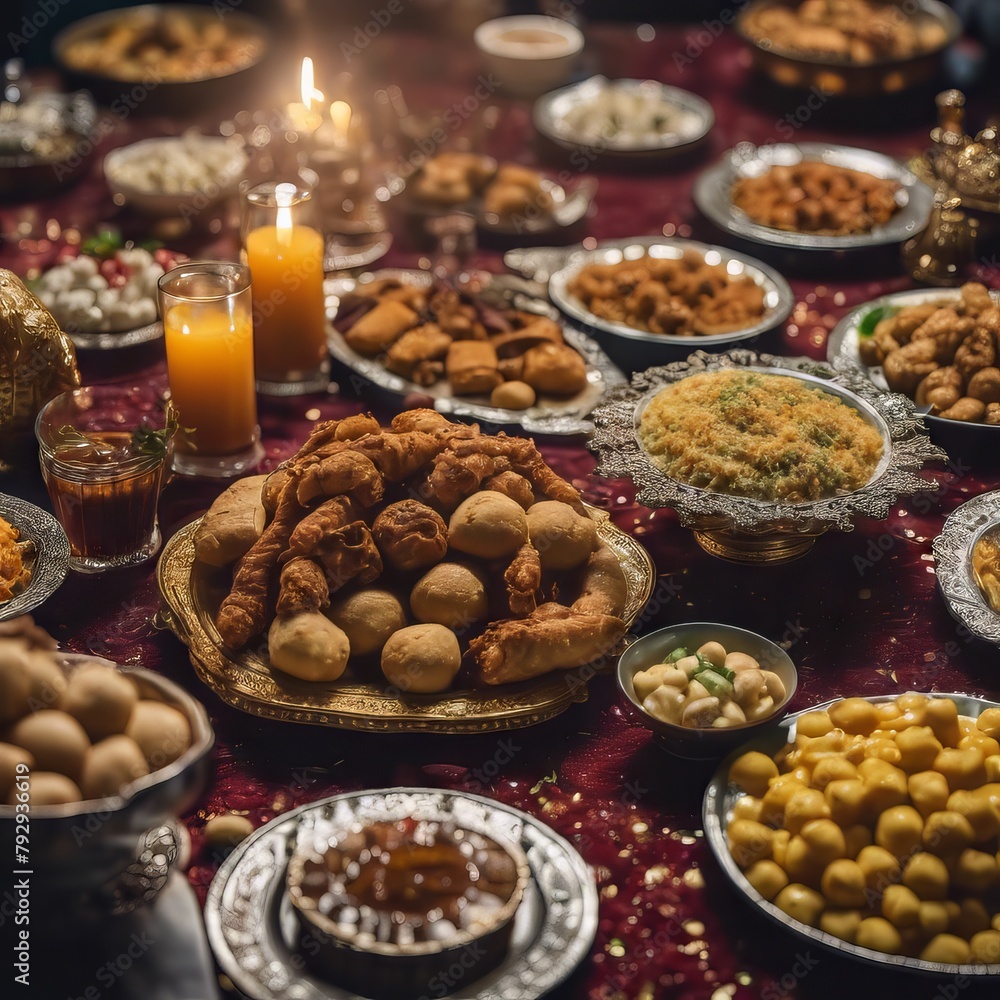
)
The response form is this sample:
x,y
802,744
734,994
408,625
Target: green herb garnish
x,y
549,779
156,442
873,317
108,242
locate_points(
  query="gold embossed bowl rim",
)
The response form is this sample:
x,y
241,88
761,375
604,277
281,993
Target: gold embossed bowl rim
x,y
245,681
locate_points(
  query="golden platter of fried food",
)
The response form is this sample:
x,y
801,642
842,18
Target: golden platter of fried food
x,y
417,577
34,556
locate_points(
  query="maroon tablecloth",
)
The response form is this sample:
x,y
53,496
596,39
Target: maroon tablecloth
x,y
860,614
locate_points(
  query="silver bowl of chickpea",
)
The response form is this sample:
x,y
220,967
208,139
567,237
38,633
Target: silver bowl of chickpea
x,y
868,826
704,688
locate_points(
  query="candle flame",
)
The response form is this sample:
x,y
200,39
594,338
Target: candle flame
x,y
308,84
284,195
340,115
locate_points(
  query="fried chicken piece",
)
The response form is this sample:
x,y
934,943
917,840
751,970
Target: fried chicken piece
x,y
410,535
947,330
552,637
302,587
523,578
977,351
453,479
429,421
311,536
346,472
512,485
350,553
243,613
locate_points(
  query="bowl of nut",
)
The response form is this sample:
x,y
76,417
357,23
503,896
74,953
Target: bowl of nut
x,y
938,348
704,688
867,827
102,758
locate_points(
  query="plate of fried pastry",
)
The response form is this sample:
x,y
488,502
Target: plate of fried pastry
x,y
34,556
417,577
489,349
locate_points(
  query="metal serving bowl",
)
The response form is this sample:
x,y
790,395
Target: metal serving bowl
x,y
747,530
704,743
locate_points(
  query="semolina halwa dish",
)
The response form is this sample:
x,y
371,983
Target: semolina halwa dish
x,y
752,434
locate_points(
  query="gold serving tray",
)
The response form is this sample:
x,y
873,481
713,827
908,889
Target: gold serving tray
x,y
192,593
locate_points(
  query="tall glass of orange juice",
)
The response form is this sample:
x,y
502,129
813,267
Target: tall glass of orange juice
x,y
285,256
208,330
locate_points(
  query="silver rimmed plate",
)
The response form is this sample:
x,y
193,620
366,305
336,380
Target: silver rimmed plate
x,y
51,557
953,548
601,115
778,298
974,442
713,194
717,810
253,931
110,341
549,415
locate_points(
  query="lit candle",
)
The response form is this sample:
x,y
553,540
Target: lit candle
x,y
286,261
208,332
340,116
301,115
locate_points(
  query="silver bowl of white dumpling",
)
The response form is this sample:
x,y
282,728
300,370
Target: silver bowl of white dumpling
x,y
97,762
704,688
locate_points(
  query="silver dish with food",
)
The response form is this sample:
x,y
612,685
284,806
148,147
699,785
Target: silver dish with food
x,y
713,195
743,528
975,522
637,118
254,933
974,441
635,348
721,796
46,554
549,415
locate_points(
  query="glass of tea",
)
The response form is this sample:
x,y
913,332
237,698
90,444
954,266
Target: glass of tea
x,y
104,452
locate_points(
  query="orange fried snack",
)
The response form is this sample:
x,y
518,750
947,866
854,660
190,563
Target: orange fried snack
x,y
15,573
523,578
302,588
411,535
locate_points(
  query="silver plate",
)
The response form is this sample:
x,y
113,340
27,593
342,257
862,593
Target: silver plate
x,y
778,298
906,450
564,417
712,194
106,340
51,553
717,810
695,117
252,929
953,548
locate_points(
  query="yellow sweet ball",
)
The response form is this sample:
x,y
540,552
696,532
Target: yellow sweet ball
x,y
880,867
993,767
854,715
777,796
843,883
901,906
802,863
813,724
962,769
749,841
747,807
801,903
809,804
978,810
947,833
825,839
984,948
947,949
847,800
779,846
975,871
899,830
918,747
941,714
767,877
842,924
927,875
879,935
885,785
935,916
857,837
752,771
928,792
989,722
972,917
832,769
986,745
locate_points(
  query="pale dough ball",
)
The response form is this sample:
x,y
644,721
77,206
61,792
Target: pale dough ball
x,y
14,681
10,757
564,539
513,395
56,740
110,765
47,680
488,525
368,618
46,788
100,699
161,732
308,646
450,594
421,659
227,830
